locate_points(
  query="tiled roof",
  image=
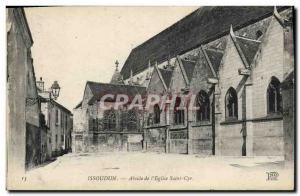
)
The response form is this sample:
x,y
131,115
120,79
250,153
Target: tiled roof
x,y
289,81
248,47
166,75
201,26
78,105
189,67
46,99
101,89
215,58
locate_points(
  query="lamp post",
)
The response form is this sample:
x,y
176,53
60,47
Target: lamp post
x,y
55,88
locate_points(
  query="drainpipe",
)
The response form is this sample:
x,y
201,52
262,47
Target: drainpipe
x,y
188,132
213,122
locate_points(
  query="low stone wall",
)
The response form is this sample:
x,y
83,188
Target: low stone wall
x,y
155,140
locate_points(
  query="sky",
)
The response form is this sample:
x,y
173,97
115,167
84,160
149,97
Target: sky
x,y
77,44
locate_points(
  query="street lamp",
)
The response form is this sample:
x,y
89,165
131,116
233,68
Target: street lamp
x,y
55,88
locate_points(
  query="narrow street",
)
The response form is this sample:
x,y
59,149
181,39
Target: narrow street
x,y
106,170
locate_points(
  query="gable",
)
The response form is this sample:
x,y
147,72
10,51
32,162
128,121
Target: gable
x,y
231,63
188,67
155,86
87,95
177,81
201,73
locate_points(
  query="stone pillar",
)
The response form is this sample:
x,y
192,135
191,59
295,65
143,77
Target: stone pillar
x,y
217,116
190,138
288,49
167,140
249,115
288,117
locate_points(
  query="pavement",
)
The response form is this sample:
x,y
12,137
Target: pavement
x,y
144,170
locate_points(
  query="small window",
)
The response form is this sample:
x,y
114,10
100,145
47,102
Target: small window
x,y
156,114
61,119
274,98
56,117
56,138
178,112
231,104
203,104
49,119
66,122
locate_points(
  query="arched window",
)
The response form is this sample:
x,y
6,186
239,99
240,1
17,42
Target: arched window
x,y
132,120
203,112
231,103
109,120
274,96
178,112
156,114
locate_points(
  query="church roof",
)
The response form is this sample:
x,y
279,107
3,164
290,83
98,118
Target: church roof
x,y
166,76
101,89
289,81
188,67
248,47
78,105
201,26
215,58
116,78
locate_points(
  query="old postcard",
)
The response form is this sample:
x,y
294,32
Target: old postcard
x,y
150,98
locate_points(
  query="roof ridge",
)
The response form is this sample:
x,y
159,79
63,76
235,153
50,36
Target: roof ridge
x,y
113,84
172,25
189,33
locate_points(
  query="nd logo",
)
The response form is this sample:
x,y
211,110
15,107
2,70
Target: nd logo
x,y
271,176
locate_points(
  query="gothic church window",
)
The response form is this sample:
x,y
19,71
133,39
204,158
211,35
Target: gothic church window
x,y
231,103
274,98
203,104
132,120
156,114
178,112
109,120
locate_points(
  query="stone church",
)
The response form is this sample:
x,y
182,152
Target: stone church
x,y
234,60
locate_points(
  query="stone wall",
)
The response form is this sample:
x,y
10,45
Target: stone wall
x,y
19,77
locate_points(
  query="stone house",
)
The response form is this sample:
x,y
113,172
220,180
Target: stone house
x,y
58,122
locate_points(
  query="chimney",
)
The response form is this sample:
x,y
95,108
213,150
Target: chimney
x,y
40,84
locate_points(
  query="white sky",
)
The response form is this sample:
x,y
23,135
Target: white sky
x,y
77,44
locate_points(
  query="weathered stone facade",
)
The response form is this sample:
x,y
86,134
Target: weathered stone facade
x,y
23,122
245,59
235,80
58,122
98,129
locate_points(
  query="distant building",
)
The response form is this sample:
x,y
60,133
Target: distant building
x,y
99,129
23,121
